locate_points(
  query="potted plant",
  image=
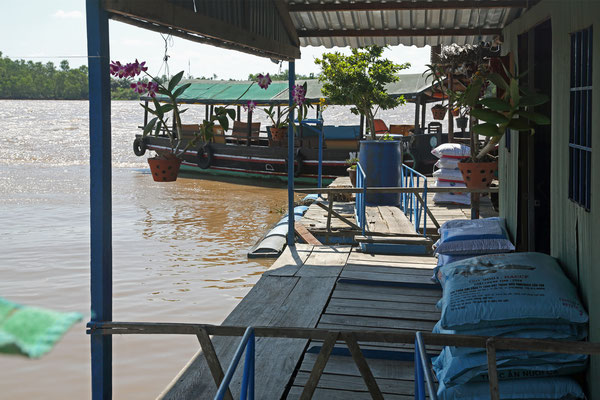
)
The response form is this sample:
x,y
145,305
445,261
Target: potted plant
x,y
165,165
359,80
436,73
498,114
351,163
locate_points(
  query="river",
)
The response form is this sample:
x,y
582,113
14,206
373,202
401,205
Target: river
x,y
179,249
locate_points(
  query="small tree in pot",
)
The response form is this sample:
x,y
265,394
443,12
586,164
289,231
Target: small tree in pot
x,y
359,80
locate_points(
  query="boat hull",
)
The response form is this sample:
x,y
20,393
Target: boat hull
x,y
258,161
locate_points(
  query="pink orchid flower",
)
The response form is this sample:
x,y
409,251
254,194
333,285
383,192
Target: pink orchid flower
x,y
298,94
250,106
152,89
139,87
264,80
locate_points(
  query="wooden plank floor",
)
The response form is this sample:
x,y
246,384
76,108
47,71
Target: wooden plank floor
x,y
332,287
374,292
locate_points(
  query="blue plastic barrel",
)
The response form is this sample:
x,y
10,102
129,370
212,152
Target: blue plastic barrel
x,y
382,163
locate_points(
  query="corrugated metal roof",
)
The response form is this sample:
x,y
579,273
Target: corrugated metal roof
x,y
406,20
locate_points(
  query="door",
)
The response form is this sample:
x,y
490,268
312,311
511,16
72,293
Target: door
x,y
533,229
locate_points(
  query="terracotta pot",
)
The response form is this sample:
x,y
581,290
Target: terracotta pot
x,y
455,112
278,134
164,170
478,175
352,174
461,122
439,112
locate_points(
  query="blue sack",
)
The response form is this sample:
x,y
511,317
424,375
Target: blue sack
x,y
455,366
520,389
504,289
474,236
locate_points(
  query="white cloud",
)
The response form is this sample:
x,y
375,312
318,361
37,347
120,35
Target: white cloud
x,y
68,14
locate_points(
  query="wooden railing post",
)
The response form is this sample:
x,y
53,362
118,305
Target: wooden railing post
x,y
212,359
362,365
492,370
319,367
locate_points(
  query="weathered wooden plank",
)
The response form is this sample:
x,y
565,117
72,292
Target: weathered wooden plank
x,y
382,305
363,367
305,234
257,308
290,261
374,322
317,370
383,277
358,256
390,369
328,394
392,264
355,383
396,220
402,270
325,261
384,313
301,308
404,298
360,288
375,222
415,241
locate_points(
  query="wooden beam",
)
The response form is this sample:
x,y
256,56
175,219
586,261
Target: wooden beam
x,y
286,19
306,235
428,211
331,211
213,360
319,367
183,22
399,32
363,367
407,5
492,370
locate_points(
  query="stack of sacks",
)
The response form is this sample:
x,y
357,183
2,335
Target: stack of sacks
x,y
465,238
448,174
522,295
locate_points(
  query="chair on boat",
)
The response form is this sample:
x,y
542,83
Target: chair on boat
x,y
188,131
380,127
240,135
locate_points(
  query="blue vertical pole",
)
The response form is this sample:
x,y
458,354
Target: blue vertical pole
x,y
320,170
100,196
291,217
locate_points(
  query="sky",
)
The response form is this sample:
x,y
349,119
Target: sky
x,y
42,31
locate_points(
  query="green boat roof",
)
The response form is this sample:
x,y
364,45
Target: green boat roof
x,y
203,91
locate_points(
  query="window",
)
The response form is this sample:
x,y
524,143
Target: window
x,y
580,130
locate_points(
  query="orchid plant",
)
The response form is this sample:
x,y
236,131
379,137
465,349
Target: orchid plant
x,y
172,90
280,119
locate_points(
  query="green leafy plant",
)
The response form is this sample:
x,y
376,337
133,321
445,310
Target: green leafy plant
x,y
359,80
507,112
351,162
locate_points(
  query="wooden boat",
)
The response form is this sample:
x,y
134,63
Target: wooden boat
x,y
245,151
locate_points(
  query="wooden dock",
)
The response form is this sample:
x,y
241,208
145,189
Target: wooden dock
x,y
331,287
330,227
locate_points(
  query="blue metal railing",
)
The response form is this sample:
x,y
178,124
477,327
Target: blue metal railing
x,y
247,391
409,203
423,371
361,198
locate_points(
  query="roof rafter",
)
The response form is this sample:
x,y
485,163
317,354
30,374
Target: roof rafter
x,y
408,5
399,32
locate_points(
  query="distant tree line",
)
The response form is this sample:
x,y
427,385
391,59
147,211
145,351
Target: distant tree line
x,y
20,79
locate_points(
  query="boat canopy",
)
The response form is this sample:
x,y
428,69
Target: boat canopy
x,y
204,91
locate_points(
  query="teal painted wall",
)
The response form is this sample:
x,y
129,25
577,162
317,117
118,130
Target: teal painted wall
x,y
575,235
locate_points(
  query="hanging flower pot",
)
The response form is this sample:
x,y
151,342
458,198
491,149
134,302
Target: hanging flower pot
x,y
478,175
164,170
455,112
278,134
461,122
352,175
438,111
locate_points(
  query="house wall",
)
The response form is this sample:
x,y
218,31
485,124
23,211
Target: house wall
x,y
575,233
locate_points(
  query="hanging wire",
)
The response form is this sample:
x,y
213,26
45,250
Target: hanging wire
x,y
165,64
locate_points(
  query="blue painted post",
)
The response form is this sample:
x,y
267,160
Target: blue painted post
x,y
100,196
291,217
320,180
